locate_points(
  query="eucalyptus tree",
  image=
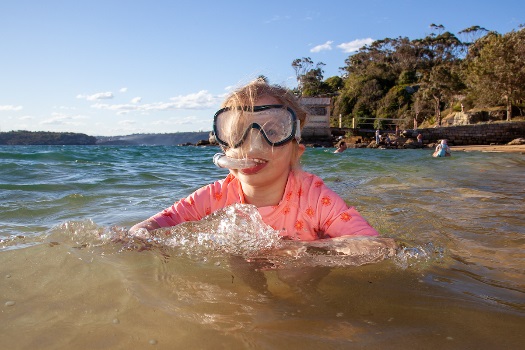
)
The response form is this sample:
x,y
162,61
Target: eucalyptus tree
x,y
496,71
309,75
440,78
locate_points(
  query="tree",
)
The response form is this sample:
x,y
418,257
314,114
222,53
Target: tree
x,y
309,76
334,84
498,71
440,71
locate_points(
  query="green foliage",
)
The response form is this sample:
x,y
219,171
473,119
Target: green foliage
x,y
23,137
496,73
406,79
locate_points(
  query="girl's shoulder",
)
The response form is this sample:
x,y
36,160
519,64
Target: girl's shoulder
x,y
310,185
306,179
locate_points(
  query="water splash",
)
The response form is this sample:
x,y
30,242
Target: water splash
x,y
237,229
418,257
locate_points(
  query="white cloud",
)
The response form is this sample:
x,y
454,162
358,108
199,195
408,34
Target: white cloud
x,y
10,108
355,45
178,121
323,47
127,122
124,89
26,117
63,119
97,96
200,100
136,100
277,18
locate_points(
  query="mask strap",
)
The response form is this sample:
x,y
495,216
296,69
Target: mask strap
x,y
298,131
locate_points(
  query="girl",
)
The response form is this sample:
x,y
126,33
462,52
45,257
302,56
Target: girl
x,y
258,128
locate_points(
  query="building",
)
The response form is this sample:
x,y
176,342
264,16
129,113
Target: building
x,y
318,117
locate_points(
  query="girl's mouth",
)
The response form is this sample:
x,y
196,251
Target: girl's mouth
x,y
261,164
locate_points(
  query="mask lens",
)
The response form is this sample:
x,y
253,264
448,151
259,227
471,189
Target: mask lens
x,y
275,122
229,127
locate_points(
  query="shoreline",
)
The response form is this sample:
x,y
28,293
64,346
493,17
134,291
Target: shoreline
x,y
490,148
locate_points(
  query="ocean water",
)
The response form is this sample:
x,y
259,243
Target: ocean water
x,y
69,277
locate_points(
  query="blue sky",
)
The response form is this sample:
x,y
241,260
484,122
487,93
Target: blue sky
x,y
144,66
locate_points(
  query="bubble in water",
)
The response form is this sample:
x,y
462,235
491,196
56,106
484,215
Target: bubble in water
x,y
237,229
418,256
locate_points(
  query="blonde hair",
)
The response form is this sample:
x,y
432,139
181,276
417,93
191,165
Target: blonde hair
x,y
247,96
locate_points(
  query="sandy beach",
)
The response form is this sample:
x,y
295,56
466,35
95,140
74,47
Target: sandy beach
x,y
490,148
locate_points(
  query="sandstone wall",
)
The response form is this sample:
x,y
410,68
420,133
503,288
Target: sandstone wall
x,y
477,134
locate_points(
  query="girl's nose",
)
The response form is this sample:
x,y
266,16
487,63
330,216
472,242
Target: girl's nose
x,y
254,142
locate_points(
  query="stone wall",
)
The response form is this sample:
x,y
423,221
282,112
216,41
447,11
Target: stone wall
x,y
475,134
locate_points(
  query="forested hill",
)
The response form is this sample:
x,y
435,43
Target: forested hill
x,y
45,138
23,137
171,139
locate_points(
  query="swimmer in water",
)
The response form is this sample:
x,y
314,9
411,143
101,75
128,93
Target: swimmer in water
x,y
258,129
442,149
341,147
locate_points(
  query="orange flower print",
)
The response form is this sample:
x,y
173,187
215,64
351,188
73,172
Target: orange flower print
x,y
318,183
217,196
288,196
208,211
299,225
300,192
310,212
286,210
345,217
326,200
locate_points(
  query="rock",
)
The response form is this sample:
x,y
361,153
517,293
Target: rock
x,y
373,144
518,141
203,143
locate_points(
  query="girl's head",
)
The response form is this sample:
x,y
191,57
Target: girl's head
x,y
248,95
443,142
258,119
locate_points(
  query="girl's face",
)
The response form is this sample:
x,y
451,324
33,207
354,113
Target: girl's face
x,y
275,162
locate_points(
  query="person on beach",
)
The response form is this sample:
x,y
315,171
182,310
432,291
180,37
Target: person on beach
x,y
261,123
420,140
341,147
387,141
442,149
378,137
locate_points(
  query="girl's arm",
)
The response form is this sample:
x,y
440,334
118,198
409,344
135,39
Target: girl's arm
x,y
148,225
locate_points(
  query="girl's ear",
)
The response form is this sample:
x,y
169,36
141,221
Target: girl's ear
x,y
301,150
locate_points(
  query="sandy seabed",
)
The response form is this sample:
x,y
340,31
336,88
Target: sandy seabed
x,y
490,148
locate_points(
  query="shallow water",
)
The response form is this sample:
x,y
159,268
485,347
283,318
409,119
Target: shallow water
x,y
66,282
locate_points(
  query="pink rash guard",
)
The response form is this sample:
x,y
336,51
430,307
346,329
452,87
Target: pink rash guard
x,y
309,210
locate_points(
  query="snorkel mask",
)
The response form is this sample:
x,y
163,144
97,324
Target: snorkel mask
x,y
276,124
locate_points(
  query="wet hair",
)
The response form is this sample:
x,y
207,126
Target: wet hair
x,y
247,96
